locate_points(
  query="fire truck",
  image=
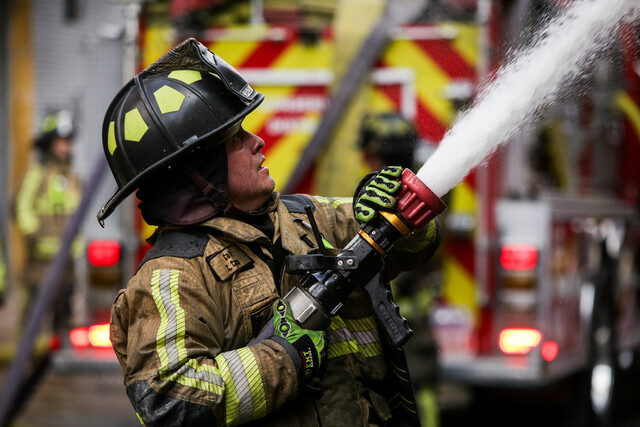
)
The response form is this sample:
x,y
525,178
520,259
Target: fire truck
x,y
538,280
539,266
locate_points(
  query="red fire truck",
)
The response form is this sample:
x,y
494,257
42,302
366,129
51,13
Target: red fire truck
x,y
539,266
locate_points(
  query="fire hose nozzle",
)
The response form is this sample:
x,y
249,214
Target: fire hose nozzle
x,y
417,204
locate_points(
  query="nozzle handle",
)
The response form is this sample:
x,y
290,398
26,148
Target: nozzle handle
x,y
395,327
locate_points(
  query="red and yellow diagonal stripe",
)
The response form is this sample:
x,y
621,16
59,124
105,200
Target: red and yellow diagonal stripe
x,y
436,63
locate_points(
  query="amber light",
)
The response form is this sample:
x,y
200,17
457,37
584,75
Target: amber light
x,y
518,341
519,257
94,336
99,335
103,253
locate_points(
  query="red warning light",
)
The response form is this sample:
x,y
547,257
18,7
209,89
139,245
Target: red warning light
x,y
79,337
549,350
519,257
103,253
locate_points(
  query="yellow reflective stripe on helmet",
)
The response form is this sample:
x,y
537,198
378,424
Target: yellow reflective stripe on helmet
x,y
170,338
111,138
348,336
27,219
245,399
168,99
134,126
186,76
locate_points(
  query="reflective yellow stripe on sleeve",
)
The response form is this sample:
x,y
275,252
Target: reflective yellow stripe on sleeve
x,y
341,201
335,201
245,400
347,336
27,219
170,338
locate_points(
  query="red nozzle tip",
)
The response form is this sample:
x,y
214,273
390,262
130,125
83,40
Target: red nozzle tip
x,y
417,204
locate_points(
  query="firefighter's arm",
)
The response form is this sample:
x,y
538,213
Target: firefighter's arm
x,y
414,250
27,219
168,331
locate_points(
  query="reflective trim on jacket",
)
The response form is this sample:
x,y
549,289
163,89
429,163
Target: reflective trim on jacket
x,y
181,329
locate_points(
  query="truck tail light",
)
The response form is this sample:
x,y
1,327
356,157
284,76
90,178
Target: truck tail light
x,y
518,279
519,257
79,337
518,340
105,263
549,350
103,253
96,336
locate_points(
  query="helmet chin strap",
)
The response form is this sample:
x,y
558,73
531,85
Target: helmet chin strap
x,y
216,197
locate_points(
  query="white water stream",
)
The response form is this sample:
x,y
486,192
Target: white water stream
x,y
531,79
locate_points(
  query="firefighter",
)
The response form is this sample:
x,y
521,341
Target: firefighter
x,y
49,195
388,139
216,272
3,274
392,139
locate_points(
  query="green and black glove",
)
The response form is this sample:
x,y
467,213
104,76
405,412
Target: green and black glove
x,y
377,192
309,346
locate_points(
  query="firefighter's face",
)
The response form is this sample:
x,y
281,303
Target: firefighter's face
x,y
249,182
61,149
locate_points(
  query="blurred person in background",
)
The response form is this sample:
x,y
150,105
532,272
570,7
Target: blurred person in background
x,y
216,273
392,139
3,273
49,195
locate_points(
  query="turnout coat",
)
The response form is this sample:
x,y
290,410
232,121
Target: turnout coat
x,y
181,327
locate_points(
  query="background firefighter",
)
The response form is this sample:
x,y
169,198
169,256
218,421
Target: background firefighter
x,y
216,271
49,195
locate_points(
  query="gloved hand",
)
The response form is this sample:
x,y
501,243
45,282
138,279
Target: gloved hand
x,y
309,345
377,193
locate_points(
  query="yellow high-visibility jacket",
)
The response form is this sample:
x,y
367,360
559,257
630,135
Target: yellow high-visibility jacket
x,y
49,195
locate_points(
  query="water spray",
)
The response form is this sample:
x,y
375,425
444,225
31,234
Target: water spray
x,y
506,106
530,80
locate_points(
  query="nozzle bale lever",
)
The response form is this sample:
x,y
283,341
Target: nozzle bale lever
x,y
321,295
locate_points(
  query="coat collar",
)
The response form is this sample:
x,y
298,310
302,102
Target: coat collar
x,y
242,232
